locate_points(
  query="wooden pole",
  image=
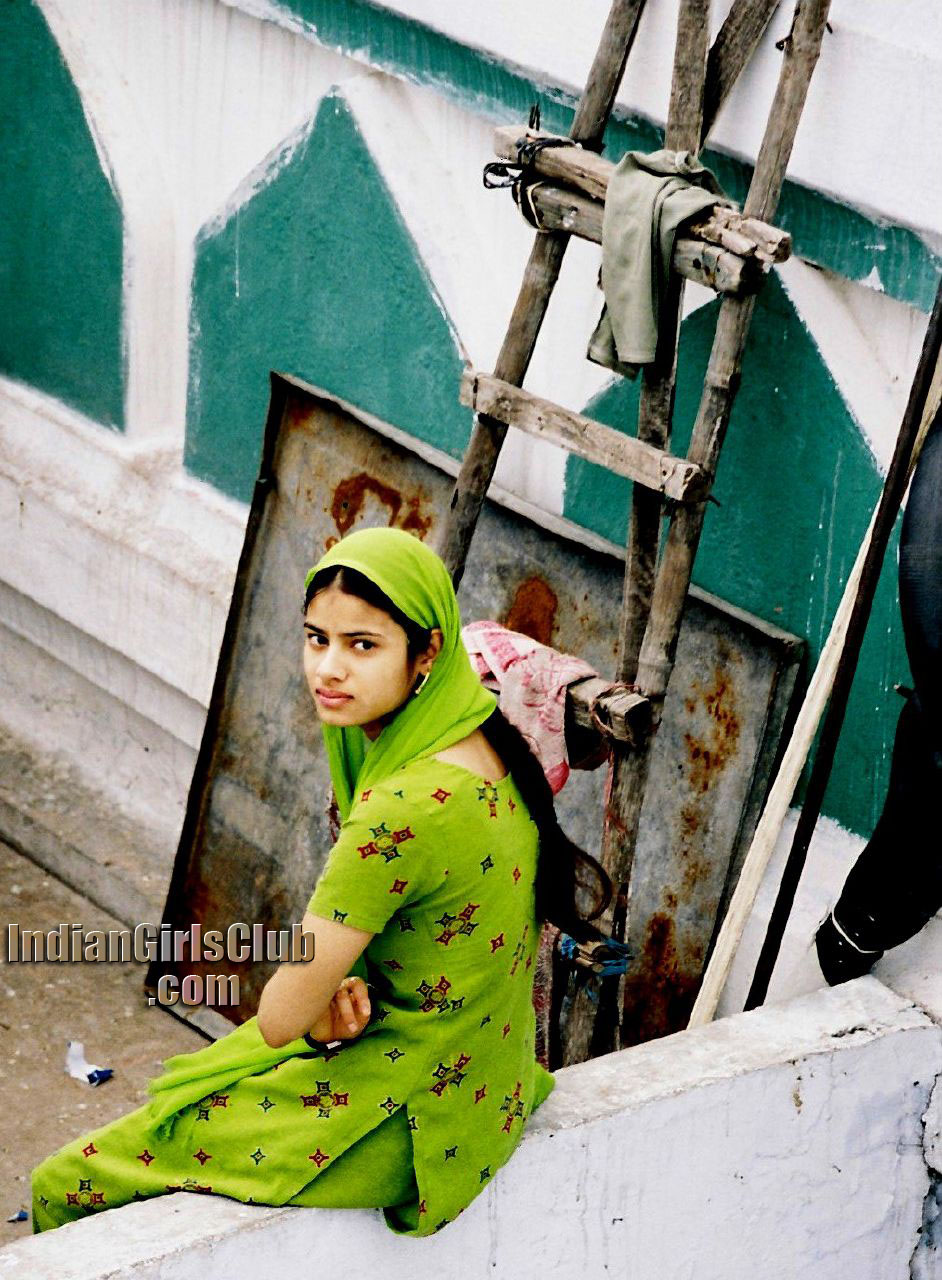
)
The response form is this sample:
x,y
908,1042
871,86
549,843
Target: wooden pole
x,y
656,657
734,45
724,370
540,275
594,1030
684,125
897,478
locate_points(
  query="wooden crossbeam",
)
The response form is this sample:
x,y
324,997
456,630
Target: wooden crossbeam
x,y
589,175
748,237
560,209
570,166
626,716
676,478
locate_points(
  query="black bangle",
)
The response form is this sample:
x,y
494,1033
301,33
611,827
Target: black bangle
x,y
318,1044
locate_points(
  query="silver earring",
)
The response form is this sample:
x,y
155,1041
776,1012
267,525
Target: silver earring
x,y
422,683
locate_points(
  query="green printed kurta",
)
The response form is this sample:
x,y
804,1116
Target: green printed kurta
x,y
440,864
419,1112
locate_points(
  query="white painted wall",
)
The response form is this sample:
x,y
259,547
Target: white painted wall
x,y
116,580
870,344
184,98
875,102
783,1143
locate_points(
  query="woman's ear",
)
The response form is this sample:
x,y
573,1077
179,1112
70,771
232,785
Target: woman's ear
x,y
435,646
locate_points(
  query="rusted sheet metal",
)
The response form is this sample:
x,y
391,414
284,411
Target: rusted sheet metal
x,y
255,837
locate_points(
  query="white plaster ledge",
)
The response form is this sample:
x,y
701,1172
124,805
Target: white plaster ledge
x,y
854,1013
116,539
683,1157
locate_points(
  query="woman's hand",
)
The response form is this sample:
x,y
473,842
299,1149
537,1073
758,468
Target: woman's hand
x,y
346,1015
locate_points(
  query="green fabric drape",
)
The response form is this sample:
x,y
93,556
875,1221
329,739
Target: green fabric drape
x,y
453,702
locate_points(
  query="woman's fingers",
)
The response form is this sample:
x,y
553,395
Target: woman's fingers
x,y
348,1011
344,1009
360,993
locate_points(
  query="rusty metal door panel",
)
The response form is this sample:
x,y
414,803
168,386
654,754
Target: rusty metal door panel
x,y
255,837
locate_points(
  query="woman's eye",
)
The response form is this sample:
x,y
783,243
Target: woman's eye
x,y
319,642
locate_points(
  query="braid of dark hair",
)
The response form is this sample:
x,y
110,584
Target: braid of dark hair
x,y
563,867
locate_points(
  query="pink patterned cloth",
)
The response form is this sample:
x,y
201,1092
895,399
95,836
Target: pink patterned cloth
x,y
530,679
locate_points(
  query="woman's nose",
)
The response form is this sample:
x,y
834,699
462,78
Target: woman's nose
x,y
330,666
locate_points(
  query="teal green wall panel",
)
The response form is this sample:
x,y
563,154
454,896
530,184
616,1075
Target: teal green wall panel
x,y
316,276
797,486
825,231
60,230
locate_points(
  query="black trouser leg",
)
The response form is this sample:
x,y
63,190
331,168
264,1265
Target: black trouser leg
x,y
895,887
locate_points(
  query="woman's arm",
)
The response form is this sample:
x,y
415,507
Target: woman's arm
x,y
298,994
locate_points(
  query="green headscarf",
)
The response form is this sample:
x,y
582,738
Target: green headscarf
x,y
453,702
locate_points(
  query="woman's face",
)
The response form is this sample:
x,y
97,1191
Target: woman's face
x,y
356,661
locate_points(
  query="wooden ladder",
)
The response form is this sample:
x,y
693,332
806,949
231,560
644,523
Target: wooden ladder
x,y
731,253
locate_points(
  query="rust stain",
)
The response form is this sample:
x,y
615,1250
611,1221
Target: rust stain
x,y
414,521
533,610
350,495
297,414
707,756
696,871
662,985
690,818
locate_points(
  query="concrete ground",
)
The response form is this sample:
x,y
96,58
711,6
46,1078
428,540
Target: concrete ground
x,y
44,1005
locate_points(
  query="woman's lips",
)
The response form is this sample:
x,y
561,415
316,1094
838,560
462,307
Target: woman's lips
x,y
327,699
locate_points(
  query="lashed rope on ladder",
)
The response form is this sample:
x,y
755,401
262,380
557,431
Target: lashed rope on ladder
x,y
519,175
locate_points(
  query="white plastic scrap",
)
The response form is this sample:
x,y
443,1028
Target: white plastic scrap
x,y
79,1068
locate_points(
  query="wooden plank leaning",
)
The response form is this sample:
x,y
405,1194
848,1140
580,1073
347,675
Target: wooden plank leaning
x,y
673,581
539,278
834,669
921,411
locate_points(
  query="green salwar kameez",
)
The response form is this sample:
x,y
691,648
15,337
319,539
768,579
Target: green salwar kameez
x,y
418,1113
